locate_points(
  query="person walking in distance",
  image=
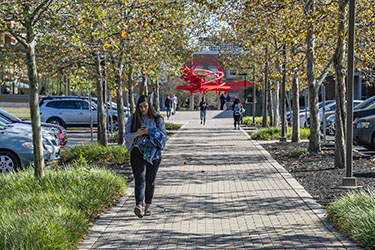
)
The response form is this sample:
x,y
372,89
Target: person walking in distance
x,y
203,105
174,104
145,137
168,106
227,101
222,101
237,112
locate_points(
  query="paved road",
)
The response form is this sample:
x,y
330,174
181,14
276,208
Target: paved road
x,y
217,189
78,135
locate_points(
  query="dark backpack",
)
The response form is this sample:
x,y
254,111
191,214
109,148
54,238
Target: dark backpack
x,y
237,110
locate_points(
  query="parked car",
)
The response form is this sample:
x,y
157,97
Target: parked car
x,y
93,99
330,117
16,149
364,132
72,111
19,128
60,131
366,108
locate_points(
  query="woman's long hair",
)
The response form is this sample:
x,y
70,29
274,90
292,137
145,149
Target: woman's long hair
x,y
236,101
136,121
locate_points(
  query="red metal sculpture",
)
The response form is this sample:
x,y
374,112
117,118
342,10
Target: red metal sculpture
x,y
207,80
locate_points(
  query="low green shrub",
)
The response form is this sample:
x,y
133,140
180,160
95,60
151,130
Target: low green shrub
x,y
266,133
273,133
248,120
300,153
354,215
304,133
173,126
56,211
95,153
114,137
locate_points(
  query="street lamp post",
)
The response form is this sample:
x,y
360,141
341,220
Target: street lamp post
x,y
349,180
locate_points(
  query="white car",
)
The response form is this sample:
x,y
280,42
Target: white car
x,y
304,118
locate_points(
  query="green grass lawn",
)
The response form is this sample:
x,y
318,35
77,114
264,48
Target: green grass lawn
x,y
23,113
57,211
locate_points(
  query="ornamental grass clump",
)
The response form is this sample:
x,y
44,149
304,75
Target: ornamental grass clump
x,y
54,212
95,153
300,153
354,215
172,126
274,133
248,120
271,133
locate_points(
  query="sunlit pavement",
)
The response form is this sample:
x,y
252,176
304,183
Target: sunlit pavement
x,y
217,189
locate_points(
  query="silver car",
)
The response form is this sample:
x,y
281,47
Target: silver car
x,y
71,112
16,149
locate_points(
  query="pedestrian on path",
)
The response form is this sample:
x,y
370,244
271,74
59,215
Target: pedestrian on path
x,y
174,103
168,106
145,137
237,112
203,105
222,101
227,101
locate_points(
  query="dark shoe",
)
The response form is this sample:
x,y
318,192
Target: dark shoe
x,y
234,128
238,127
201,122
138,212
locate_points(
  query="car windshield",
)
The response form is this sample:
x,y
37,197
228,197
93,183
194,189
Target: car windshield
x,y
11,116
5,121
4,124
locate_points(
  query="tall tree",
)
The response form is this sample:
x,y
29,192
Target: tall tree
x,y
23,20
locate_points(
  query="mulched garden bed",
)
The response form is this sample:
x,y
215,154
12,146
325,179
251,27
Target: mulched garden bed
x,y
317,174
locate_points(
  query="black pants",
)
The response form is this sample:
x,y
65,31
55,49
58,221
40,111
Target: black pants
x,y
237,119
144,176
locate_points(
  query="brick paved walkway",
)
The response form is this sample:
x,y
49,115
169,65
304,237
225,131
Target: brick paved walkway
x,y
216,189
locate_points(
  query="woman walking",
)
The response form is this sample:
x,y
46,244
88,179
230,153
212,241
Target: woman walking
x,y
237,112
145,137
203,105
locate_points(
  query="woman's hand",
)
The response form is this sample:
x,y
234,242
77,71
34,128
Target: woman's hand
x,y
140,132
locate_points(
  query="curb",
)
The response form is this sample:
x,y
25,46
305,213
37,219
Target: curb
x,y
317,209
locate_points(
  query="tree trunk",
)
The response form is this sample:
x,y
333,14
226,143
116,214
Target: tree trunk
x,y
264,93
145,86
296,125
340,88
131,88
157,96
120,104
270,103
102,135
314,145
277,100
34,103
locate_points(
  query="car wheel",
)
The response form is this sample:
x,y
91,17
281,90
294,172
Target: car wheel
x,y
56,121
115,124
8,162
331,131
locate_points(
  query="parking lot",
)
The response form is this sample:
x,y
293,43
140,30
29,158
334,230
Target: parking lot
x,y
79,135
